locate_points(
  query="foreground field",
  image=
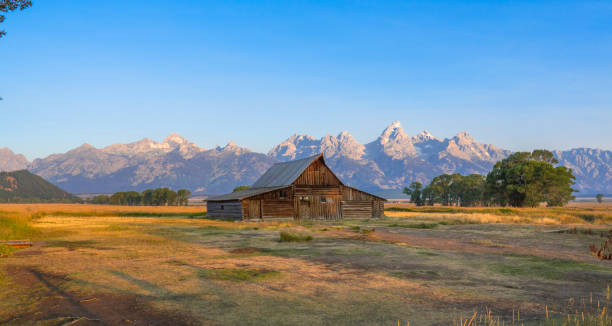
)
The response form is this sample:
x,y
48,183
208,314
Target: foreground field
x,y
95,265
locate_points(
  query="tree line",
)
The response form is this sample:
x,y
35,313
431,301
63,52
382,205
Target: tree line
x,y
521,180
149,197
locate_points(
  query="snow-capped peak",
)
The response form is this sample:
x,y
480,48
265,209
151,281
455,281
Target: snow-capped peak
x,y
393,132
232,147
345,135
464,137
149,147
424,136
395,142
175,139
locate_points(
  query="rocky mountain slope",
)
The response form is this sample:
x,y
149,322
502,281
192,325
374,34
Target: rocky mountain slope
x,y
10,161
390,162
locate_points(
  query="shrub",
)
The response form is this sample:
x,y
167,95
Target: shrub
x,y
294,236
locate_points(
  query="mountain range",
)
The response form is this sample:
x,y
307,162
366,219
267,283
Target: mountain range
x,y
384,165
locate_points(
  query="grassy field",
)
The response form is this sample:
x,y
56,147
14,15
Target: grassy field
x,y
107,265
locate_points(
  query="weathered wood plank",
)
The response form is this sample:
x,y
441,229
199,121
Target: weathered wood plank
x,y
17,243
226,209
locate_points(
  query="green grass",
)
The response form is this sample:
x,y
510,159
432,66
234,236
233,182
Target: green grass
x,y
294,236
6,251
16,228
237,274
527,266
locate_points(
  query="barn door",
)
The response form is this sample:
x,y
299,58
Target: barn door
x,y
255,209
304,207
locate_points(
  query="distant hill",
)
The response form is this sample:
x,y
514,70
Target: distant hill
x,y
23,186
383,166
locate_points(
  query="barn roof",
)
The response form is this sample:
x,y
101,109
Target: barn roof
x,y
241,194
284,174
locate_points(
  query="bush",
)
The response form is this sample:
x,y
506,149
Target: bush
x,y
294,236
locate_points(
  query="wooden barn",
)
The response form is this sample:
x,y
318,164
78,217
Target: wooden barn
x,y
300,189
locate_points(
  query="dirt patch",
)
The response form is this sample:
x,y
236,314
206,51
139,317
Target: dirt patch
x,y
25,253
60,307
248,250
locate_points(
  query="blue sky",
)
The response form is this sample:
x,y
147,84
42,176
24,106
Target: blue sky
x,y
520,75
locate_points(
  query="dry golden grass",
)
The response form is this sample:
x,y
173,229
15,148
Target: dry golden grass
x,y
92,209
522,215
485,218
590,204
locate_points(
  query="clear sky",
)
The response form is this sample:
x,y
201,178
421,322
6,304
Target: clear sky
x,y
519,74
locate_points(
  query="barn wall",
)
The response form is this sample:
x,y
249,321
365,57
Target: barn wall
x,y
349,193
357,208
378,208
278,208
359,204
273,204
286,193
325,207
224,209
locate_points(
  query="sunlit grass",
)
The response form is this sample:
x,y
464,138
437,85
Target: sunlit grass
x,y
16,226
539,215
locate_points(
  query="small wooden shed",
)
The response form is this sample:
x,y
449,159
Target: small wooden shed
x,y
300,189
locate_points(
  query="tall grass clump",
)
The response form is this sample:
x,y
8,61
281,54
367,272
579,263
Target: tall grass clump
x,y
294,236
16,226
584,312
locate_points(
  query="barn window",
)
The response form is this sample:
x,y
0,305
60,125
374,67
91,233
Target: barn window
x,y
222,208
283,194
323,200
330,200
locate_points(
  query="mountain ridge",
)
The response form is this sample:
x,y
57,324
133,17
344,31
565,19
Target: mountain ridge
x,y
25,187
391,161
